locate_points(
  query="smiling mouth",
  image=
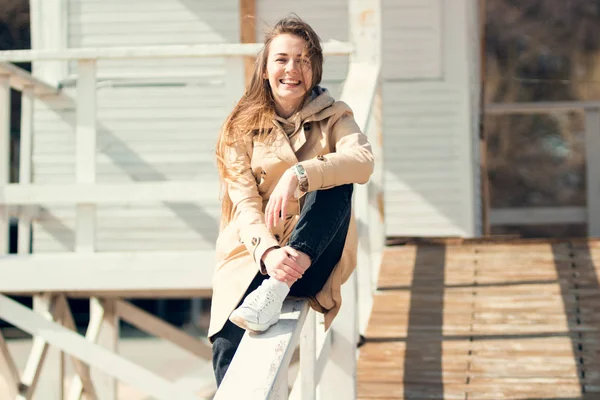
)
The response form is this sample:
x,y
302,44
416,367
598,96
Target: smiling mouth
x,y
290,82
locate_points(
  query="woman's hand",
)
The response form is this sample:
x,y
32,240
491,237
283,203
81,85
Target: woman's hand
x,y
281,264
278,201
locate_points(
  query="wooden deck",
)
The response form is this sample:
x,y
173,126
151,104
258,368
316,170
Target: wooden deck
x,y
485,321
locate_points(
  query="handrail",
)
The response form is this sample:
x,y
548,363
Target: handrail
x,y
589,214
173,51
257,377
540,107
20,78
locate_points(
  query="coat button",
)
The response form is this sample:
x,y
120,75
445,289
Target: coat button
x,y
254,241
306,127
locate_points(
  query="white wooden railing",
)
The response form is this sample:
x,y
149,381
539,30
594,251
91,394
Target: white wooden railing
x,y
261,367
559,215
104,277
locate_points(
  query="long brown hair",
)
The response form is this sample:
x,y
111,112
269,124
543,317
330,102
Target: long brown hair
x,y
254,112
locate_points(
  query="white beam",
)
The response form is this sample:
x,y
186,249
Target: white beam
x,y
20,79
8,370
109,272
330,48
538,216
308,358
83,371
4,157
45,308
259,368
91,335
25,167
108,193
540,107
339,375
592,149
161,329
85,156
94,355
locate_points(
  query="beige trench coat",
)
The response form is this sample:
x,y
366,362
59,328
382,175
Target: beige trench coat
x,y
326,140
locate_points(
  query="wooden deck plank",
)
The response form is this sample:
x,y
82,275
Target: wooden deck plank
x,y
515,320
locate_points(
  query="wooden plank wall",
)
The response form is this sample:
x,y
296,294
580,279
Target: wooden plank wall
x,y
147,131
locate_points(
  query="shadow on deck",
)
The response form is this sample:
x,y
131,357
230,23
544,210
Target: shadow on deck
x,y
485,320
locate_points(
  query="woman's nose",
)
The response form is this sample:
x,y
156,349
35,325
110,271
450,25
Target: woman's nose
x,y
291,65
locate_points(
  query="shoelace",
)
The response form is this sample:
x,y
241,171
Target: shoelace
x,y
262,299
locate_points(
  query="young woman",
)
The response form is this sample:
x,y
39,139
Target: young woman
x,y
287,155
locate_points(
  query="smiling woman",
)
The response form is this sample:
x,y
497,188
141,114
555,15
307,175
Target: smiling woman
x,y
288,72
288,155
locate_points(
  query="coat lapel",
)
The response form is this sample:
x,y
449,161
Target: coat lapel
x,y
282,148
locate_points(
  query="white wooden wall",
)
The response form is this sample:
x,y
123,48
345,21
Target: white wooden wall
x,y
146,132
156,132
430,124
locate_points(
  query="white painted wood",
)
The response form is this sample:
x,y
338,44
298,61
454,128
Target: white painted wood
x,y
45,308
108,338
540,107
592,147
376,222
338,380
364,265
25,148
158,328
69,194
538,216
91,335
235,81
82,379
20,79
174,51
259,366
85,162
308,354
412,39
359,90
89,353
323,355
49,31
8,370
4,157
110,272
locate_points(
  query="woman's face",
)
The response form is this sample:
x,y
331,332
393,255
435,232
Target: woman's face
x,y
289,72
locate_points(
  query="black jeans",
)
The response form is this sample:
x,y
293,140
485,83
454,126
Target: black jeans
x,y
321,234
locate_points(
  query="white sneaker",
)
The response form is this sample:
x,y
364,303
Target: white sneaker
x,y
262,307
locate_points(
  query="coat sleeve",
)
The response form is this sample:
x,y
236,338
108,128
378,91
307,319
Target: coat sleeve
x,y
352,160
248,214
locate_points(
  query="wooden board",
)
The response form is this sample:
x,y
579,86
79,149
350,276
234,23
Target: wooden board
x,y
481,320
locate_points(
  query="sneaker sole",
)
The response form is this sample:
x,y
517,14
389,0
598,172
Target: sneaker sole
x,y
252,327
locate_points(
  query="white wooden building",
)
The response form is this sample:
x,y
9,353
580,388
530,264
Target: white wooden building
x,y
158,119
117,148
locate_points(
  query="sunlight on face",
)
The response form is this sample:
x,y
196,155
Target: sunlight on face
x,y
289,72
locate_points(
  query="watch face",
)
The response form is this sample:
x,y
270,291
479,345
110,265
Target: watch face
x,y
300,169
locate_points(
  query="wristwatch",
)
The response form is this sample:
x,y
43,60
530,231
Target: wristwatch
x,y
300,173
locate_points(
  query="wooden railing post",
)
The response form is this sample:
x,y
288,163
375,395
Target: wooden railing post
x,y
308,358
592,149
25,152
86,213
339,376
4,158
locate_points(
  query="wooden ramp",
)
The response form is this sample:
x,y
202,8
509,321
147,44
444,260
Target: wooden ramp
x,y
480,320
